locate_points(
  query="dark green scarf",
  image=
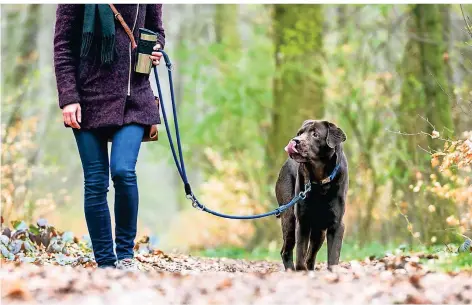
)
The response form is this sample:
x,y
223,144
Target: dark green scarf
x,y
107,23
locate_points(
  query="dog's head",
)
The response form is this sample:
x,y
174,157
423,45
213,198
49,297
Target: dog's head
x,y
315,140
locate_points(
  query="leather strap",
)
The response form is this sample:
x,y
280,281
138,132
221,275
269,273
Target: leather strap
x,y
125,26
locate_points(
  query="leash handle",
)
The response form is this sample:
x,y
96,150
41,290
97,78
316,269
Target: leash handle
x,y
168,63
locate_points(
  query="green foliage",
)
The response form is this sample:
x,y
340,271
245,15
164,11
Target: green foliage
x,y
462,261
233,104
34,230
350,251
225,104
42,242
18,225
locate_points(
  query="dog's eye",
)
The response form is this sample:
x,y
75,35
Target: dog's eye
x,y
316,135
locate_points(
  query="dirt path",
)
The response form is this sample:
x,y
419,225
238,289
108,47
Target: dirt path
x,y
192,280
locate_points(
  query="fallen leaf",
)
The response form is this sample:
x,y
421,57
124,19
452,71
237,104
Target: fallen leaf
x,y
7,232
226,283
4,240
417,299
415,281
19,225
16,290
42,223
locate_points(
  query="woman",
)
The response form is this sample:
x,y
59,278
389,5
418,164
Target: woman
x,y
102,98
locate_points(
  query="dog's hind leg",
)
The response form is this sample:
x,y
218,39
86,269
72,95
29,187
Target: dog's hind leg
x,y
317,238
288,231
335,242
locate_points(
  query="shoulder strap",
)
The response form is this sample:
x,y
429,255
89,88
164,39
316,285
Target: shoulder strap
x,y
123,23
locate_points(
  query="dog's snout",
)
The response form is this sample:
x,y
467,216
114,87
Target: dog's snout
x,y
296,140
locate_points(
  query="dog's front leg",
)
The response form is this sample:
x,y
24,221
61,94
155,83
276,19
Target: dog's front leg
x,y
317,238
303,237
335,242
303,222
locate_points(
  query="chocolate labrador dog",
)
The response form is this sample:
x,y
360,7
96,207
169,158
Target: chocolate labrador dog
x,y
316,157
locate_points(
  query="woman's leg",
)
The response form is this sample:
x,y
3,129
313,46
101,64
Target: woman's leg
x,y
92,145
124,154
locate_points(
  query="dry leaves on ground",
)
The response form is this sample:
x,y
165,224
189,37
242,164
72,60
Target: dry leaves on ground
x,y
183,279
41,265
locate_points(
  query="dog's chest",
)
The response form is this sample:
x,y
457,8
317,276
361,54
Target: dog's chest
x,y
320,206
319,191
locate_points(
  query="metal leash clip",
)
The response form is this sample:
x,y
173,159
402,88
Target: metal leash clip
x,y
195,203
306,191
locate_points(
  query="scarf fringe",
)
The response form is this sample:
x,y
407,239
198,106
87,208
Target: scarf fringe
x,y
106,38
108,48
87,39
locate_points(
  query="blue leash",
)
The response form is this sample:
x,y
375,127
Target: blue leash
x,y
179,162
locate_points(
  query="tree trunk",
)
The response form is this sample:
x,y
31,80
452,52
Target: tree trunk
x,y
226,26
28,56
435,69
425,72
299,83
463,69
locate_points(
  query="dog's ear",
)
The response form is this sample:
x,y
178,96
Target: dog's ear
x,y
307,122
334,135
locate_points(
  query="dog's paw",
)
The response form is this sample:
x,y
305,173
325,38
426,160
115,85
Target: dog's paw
x,y
336,269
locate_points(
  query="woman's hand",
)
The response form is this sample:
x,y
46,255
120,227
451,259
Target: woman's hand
x,y
153,132
72,115
156,56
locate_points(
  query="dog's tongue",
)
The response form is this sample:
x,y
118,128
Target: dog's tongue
x,y
290,148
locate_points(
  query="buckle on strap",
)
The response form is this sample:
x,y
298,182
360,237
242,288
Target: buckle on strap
x,y
326,180
278,212
330,177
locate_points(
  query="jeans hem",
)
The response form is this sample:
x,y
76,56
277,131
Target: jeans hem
x,y
126,256
106,264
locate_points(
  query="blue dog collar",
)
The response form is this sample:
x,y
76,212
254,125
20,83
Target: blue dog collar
x,y
330,177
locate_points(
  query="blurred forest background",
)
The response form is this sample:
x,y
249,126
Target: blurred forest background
x,y
396,78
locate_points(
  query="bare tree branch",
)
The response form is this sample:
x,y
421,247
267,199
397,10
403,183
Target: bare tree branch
x,y
465,20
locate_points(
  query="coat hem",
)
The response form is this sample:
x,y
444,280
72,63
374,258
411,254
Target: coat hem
x,y
118,124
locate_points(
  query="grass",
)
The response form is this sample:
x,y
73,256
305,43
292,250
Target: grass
x,y
349,252
446,262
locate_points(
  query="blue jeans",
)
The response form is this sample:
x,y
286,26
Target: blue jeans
x,y
93,150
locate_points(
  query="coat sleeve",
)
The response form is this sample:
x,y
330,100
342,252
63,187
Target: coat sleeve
x,y
154,22
67,38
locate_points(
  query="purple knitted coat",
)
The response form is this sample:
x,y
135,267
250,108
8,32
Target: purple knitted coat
x,y
111,95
